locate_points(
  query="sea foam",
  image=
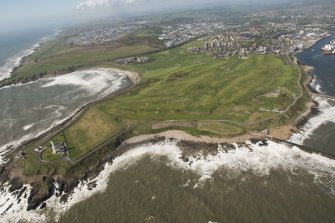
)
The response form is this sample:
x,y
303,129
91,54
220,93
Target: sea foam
x,y
93,80
15,61
316,85
258,159
98,82
326,114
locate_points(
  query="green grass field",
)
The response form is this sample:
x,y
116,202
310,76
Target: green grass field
x,y
199,95
236,94
47,155
87,133
182,86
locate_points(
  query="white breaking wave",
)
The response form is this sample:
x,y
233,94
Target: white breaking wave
x,y
17,207
260,160
15,61
101,82
315,84
27,127
94,80
327,114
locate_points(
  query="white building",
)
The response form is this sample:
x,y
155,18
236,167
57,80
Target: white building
x,y
54,147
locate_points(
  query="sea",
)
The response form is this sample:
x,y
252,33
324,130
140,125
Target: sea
x,y
17,44
28,110
320,134
155,183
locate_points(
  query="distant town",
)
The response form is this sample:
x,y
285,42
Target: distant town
x,y
102,33
280,33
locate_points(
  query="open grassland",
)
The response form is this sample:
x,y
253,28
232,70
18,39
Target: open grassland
x,y
182,86
89,132
224,97
47,155
220,128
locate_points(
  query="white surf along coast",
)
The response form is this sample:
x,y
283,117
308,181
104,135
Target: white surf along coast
x,y
316,85
260,160
326,108
98,83
15,61
43,104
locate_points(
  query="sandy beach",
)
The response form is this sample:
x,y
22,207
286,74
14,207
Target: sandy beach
x,y
181,135
133,76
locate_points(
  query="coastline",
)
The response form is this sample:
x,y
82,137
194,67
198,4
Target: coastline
x,y
195,154
189,144
318,112
290,132
134,79
286,132
15,61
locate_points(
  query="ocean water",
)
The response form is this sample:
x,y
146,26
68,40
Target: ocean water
x,y
324,66
32,108
321,134
151,183
16,42
15,46
268,184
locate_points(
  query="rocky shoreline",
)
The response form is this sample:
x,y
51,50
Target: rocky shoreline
x,y
57,186
189,145
40,194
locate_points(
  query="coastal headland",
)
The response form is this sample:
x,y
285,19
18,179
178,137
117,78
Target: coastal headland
x,y
191,98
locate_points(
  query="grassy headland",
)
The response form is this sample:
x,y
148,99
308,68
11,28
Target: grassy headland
x,y
178,90
193,92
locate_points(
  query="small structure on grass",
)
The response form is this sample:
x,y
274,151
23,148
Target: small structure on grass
x,y
58,148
